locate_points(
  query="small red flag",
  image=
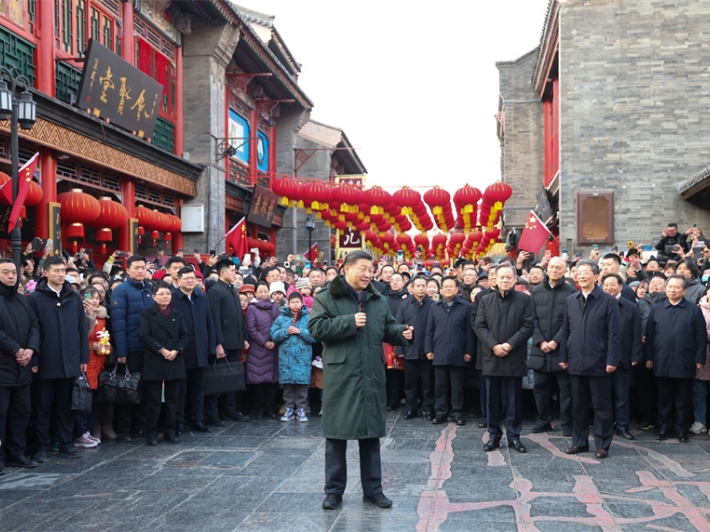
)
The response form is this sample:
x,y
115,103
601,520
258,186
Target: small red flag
x,y
24,176
312,254
534,234
237,238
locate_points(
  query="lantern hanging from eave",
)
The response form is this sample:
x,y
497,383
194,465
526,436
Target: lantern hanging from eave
x,y
174,226
146,220
407,199
495,196
113,215
76,209
422,242
378,199
288,189
316,196
348,196
34,194
466,201
438,244
456,240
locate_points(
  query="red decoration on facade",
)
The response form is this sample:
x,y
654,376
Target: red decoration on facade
x,y
77,209
113,215
288,189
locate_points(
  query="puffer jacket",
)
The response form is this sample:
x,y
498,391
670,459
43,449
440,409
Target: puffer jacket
x,y
128,301
262,363
703,374
549,303
695,291
295,351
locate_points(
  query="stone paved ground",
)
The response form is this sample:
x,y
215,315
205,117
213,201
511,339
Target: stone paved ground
x,y
266,475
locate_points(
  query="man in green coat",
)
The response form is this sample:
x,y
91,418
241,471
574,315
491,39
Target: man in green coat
x,y
354,395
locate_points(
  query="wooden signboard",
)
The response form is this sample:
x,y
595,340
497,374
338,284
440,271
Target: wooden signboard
x,y
595,218
55,227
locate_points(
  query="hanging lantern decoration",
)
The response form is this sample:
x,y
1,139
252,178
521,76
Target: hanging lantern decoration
x,y
77,209
348,196
473,238
466,201
377,198
439,201
495,197
34,194
146,220
422,242
162,224
456,241
175,224
288,189
438,244
316,196
113,215
407,199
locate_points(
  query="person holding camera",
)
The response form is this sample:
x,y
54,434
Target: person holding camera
x,y
671,243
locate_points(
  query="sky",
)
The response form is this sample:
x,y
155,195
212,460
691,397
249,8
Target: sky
x,y
412,83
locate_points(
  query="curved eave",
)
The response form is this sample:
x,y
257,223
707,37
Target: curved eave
x,y
696,184
549,43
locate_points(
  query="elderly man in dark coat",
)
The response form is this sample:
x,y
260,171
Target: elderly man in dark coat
x,y
19,341
590,353
195,309
352,319
504,323
449,344
675,347
63,354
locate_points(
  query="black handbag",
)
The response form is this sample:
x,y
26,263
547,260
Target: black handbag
x,y
120,389
81,395
224,378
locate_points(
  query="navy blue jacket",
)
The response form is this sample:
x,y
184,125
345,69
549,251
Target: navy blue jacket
x,y
675,339
590,338
448,334
631,336
64,338
412,312
128,301
200,326
229,323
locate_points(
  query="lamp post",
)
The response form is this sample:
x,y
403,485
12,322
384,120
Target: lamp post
x,y
20,110
310,226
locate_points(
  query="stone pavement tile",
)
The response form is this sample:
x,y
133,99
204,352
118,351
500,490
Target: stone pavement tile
x,y
618,488
550,479
418,472
292,503
106,478
424,445
382,520
202,516
402,507
414,458
247,443
260,427
558,526
46,512
558,507
173,479
675,522
494,514
291,443
630,509
34,480
455,525
295,522
395,488
693,494
268,465
8,497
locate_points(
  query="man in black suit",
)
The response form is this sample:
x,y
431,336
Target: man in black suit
x,y
195,309
611,264
231,334
589,351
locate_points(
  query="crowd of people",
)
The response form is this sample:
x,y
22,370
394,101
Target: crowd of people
x,y
624,333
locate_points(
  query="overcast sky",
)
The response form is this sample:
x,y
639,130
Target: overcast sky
x,y
412,83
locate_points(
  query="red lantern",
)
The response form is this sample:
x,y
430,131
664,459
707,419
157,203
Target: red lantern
x,y
113,215
77,209
377,198
407,199
34,194
497,192
422,241
174,226
466,200
315,196
288,189
438,244
146,220
348,196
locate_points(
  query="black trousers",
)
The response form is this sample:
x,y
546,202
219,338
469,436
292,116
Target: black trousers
x,y
544,390
152,394
127,417
448,382
264,397
52,396
336,468
232,402
646,392
514,401
675,396
419,374
191,397
599,389
15,412
394,379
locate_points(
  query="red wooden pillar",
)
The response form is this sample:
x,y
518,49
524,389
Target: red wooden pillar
x,y
253,156
178,237
547,142
178,104
556,126
128,44
128,189
46,80
48,167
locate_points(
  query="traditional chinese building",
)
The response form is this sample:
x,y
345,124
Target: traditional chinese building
x,y
622,126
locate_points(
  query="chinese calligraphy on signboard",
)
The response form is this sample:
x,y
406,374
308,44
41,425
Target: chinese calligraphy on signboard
x,y
350,239
263,206
112,88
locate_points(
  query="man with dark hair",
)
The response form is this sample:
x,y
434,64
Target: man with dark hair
x,y
589,351
316,277
504,323
231,338
460,266
19,341
173,266
128,301
270,275
630,353
676,339
352,320
611,264
195,309
63,354
670,243
449,344
470,278
536,274
549,299
396,295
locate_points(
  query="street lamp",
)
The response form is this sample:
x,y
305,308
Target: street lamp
x,y
310,226
20,110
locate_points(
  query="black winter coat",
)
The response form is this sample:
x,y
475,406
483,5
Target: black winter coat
x,y
396,299
156,333
631,349
676,338
646,304
505,318
591,334
448,334
230,327
549,303
412,312
64,343
200,326
19,329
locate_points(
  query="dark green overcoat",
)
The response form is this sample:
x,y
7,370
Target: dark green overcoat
x,y
354,396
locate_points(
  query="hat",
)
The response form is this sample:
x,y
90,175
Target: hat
x,y
247,288
277,286
634,284
71,279
159,275
483,275
302,282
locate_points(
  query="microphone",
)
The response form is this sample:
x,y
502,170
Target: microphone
x,y
362,300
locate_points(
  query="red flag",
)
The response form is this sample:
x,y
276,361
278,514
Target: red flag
x,y
534,234
237,238
24,176
312,254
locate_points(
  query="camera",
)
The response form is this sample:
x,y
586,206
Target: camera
x,y
670,250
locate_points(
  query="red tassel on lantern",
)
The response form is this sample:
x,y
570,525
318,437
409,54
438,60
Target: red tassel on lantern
x,y
141,232
74,233
104,235
155,235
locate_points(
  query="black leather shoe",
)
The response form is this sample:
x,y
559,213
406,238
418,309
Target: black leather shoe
x,y
429,416
411,414
683,437
215,422
332,501
152,440
124,437
378,499
438,420
492,445
482,423
516,445
20,461
40,457
200,427
624,433
71,452
576,450
460,422
236,416
601,454
179,429
541,427
171,438
663,435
